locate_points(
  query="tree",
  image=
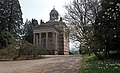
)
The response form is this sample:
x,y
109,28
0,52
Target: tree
x,y
11,16
5,39
107,26
28,29
10,19
81,16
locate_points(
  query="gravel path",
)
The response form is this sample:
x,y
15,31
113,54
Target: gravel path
x,y
51,64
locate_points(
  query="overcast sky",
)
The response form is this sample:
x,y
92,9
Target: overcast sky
x,y
40,9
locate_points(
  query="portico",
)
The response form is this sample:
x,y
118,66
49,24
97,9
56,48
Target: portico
x,y
46,38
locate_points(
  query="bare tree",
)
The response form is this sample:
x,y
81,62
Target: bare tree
x,y
81,16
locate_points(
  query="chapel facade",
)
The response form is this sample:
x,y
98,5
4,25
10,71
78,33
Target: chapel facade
x,y
52,35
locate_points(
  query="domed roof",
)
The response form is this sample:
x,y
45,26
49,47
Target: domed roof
x,y
54,12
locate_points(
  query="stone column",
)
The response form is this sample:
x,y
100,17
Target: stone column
x,y
56,44
46,40
56,41
53,39
34,38
40,39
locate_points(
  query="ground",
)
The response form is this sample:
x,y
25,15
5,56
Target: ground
x,y
51,64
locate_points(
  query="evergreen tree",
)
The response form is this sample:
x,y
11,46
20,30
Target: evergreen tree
x,y
10,16
10,20
28,29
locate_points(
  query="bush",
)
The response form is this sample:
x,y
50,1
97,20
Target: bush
x,y
99,56
9,52
31,51
26,51
5,39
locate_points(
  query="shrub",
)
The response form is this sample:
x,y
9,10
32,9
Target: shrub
x,y
26,51
9,52
31,51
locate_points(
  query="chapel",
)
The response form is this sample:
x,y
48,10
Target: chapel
x,y
52,35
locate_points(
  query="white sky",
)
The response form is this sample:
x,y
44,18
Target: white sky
x,y
40,9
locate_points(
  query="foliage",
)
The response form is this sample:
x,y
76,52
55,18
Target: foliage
x,y
10,21
9,52
28,29
10,16
107,27
92,65
5,39
27,49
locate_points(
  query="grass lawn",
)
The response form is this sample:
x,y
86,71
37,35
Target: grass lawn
x,y
92,65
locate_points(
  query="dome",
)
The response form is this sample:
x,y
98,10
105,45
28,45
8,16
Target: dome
x,y
54,14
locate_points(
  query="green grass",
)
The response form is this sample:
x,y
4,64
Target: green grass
x,y
92,65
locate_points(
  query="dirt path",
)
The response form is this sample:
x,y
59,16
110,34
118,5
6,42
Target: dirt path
x,y
52,64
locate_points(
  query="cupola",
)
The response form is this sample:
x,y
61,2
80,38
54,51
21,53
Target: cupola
x,y
54,14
